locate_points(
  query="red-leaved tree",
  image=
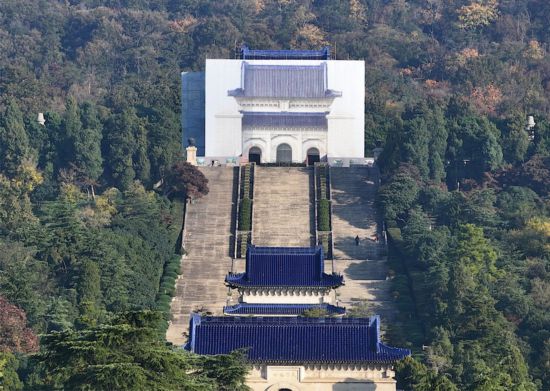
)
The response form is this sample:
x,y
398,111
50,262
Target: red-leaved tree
x,y
15,336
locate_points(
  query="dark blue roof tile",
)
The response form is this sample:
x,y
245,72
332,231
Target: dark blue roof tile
x,y
284,81
248,54
293,340
284,120
280,309
292,267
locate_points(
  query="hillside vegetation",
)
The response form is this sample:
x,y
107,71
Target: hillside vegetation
x,y
84,239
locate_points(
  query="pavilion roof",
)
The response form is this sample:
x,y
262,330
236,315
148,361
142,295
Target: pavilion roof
x,y
294,340
284,267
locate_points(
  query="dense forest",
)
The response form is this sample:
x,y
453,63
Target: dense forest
x,y
86,236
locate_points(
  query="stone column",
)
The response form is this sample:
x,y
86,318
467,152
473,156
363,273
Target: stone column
x,y
191,155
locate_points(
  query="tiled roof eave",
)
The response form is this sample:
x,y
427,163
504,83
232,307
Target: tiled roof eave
x,y
233,284
365,362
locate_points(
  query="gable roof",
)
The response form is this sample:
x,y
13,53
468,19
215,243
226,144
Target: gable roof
x,y
281,309
247,54
282,267
293,340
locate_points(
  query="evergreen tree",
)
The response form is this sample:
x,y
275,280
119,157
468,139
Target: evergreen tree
x,y
141,163
438,143
87,144
14,141
515,140
127,355
89,293
71,129
416,139
120,147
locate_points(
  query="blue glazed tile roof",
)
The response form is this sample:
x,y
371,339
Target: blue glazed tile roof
x,y
298,267
247,54
284,120
284,81
280,309
293,340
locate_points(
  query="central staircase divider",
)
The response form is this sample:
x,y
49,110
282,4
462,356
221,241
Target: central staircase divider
x,y
245,189
321,173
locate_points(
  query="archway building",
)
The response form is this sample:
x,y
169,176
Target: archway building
x,y
276,107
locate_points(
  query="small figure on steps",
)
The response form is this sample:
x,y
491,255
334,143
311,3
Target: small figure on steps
x,y
357,240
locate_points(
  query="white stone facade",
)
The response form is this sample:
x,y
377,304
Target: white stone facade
x,y
257,296
321,378
341,137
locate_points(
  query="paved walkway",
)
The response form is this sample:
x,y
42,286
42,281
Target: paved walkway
x,y
364,266
283,213
207,240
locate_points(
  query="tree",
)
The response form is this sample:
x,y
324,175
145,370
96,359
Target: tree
x,y
126,355
15,335
413,375
71,130
14,142
479,13
120,147
89,293
416,144
186,181
398,195
516,139
87,145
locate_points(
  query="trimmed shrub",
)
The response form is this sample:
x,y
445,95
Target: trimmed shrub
x,y
324,215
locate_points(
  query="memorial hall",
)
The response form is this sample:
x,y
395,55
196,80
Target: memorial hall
x,y
275,106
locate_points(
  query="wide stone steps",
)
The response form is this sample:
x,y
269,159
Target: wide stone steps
x,y
353,191
283,205
207,241
364,266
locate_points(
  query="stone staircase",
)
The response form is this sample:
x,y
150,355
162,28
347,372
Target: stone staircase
x,y
283,207
353,191
207,241
364,266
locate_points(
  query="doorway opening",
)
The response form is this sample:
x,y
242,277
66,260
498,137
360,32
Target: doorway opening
x,y
255,155
284,153
313,156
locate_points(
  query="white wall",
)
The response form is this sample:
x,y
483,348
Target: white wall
x,y
325,378
286,298
346,119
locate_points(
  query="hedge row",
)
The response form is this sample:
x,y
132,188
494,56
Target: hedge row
x,y
245,215
167,289
324,215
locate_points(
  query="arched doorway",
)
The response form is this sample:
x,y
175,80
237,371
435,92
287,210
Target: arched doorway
x,y
284,153
255,155
313,156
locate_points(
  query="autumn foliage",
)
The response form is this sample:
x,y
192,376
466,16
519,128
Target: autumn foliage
x,y
15,336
